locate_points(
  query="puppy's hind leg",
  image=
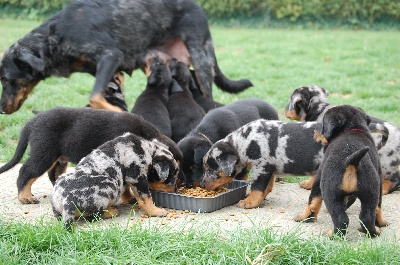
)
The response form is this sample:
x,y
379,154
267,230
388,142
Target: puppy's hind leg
x,y
337,210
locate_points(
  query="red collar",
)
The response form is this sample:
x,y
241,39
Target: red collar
x,y
357,129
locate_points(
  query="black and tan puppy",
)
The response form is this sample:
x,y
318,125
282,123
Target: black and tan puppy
x,y
103,37
68,135
152,104
309,103
215,125
102,177
185,114
350,168
268,148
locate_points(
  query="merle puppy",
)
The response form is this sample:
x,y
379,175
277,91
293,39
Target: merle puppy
x,y
102,177
68,135
268,148
350,168
185,114
215,125
309,103
152,104
103,37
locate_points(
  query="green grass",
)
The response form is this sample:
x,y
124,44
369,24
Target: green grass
x,y
48,243
357,67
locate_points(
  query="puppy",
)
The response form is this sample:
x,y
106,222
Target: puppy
x,y
309,103
215,125
102,177
185,114
207,103
350,168
69,134
268,148
152,104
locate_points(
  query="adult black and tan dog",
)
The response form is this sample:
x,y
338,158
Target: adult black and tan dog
x,y
102,37
215,125
100,179
350,168
68,135
309,103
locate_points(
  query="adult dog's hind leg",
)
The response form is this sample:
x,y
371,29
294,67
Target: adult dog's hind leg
x,y
106,68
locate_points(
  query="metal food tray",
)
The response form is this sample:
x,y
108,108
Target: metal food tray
x,y
236,192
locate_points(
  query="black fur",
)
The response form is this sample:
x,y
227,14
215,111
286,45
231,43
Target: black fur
x,y
215,125
152,104
69,134
102,37
350,168
185,114
207,103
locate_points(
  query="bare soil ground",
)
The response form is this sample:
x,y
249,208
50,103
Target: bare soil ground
x,y
277,211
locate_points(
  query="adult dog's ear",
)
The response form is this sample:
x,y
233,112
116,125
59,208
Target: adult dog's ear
x,y
34,62
227,163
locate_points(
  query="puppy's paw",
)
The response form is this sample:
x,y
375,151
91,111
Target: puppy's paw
x,y
157,211
375,233
307,184
110,213
247,204
28,200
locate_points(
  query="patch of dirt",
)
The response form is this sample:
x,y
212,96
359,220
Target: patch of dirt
x,y
277,211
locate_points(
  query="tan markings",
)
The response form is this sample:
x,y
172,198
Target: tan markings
x,y
320,138
110,212
14,103
307,184
126,196
25,196
146,69
161,186
146,203
387,184
311,210
291,114
349,181
119,79
222,180
196,184
98,101
253,200
379,217
270,186
328,232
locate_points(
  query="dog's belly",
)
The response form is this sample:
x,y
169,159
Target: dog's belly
x,y
172,48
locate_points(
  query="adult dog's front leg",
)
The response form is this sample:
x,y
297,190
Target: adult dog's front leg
x,y
106,67
314,203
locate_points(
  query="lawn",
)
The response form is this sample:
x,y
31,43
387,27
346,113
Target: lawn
x,y
357,67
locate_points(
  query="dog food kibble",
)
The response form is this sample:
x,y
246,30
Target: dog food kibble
x,y
200,192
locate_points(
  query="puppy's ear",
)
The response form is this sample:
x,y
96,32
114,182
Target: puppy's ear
x,y
199,152
227,163
296,99
331,124
34,62
162,169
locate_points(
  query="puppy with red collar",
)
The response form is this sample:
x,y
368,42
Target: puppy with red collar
x,y
350,168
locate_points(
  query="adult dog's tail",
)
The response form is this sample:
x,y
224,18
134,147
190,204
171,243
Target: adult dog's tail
x,y
19,152
231,86
355,158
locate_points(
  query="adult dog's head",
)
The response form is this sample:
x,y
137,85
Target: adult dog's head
x,y
306,101
20,71
340,119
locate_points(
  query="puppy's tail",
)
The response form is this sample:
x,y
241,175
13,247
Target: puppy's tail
x,y
380,128
19,152
231,86
355,158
